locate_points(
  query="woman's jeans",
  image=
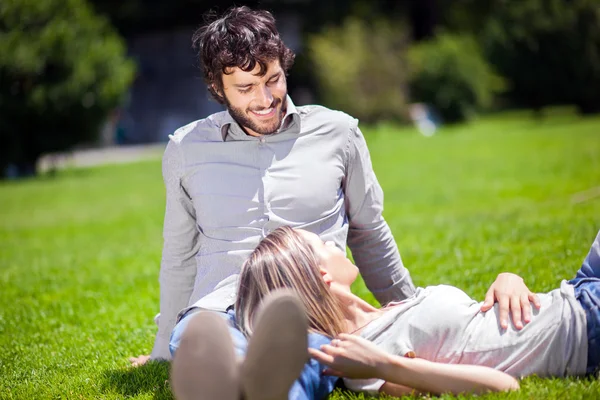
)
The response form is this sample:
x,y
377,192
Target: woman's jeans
x,y
587,291
310,385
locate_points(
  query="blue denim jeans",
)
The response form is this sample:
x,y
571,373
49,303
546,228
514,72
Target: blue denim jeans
x,y
587,291
311,385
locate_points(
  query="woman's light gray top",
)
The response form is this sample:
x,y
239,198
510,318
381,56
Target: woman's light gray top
x,y
226,190
443,324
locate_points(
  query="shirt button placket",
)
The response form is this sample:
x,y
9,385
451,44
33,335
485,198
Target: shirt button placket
x,y
264,157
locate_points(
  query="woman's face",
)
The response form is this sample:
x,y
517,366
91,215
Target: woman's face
x,y
333,260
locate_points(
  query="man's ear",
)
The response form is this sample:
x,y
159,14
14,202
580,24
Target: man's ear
x,y
326,276
216,89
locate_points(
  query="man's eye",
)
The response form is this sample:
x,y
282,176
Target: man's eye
x,y
245,90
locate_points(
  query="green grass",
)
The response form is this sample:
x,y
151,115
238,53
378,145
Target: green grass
x,y
80,252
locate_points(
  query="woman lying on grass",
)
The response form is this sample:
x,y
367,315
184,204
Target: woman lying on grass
x,y
458,348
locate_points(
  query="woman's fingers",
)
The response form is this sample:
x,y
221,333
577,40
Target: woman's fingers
x,y
349,338
331,350
327,350
326,359
332,372
342,343
320,356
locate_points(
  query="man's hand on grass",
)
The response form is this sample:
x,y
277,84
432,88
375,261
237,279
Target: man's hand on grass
x,y
139,360
512,295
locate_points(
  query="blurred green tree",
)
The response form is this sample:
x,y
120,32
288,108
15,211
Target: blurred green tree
x,y
360,68
548,49
62,70
465,16
451,74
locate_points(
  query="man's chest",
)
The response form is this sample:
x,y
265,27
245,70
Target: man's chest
x,y
247,184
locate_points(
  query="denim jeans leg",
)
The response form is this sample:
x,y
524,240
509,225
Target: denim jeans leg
x,y
239,340
310,385
587,292
313,383
591,265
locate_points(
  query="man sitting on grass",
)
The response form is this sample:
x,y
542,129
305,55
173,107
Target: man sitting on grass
x,y
235,176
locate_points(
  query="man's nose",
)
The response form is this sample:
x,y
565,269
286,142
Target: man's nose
x,y
265,98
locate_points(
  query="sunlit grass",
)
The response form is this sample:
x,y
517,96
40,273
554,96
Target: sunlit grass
x,y
79,252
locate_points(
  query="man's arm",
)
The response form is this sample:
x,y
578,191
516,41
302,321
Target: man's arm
x,y
369,237
376,254
178,265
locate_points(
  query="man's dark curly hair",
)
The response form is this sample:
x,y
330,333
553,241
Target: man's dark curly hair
x,y
240,38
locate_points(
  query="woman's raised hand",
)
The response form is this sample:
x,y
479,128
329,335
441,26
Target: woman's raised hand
x,y
352,357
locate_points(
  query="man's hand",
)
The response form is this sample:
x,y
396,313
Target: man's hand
x,y
351,356
139,360
512,295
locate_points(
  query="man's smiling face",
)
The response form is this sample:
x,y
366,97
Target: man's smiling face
x,y
257,103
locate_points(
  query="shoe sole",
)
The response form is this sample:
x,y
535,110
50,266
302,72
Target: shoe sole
x,y
204,366
277,350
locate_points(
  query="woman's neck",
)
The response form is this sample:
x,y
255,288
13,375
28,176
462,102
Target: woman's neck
x,y
357,312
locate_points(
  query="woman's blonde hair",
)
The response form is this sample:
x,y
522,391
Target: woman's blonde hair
x,y
284,259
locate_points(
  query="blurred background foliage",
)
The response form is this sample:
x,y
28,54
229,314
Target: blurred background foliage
x,y
450,73
548,49
361,68
62,69
64,65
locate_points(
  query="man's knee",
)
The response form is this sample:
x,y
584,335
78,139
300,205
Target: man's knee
x,y
239,340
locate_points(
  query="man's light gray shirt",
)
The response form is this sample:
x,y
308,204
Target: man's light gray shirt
x,y
227,190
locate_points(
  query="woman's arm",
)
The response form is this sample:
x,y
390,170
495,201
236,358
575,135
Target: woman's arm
x,y
431,377
354,357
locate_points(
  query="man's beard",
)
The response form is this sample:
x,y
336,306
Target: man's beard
x,y
246,122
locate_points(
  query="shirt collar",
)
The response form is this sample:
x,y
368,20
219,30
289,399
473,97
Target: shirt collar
x,y
290,122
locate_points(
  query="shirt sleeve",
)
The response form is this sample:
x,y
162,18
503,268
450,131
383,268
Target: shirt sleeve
x,y
178,266
369,237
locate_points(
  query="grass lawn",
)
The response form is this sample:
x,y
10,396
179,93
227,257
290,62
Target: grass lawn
x,y
79,252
